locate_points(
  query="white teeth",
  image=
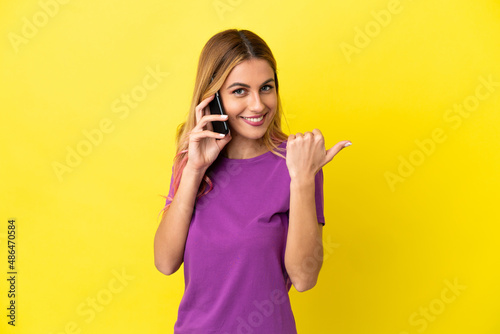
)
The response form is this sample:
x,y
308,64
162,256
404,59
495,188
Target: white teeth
x,y
255,120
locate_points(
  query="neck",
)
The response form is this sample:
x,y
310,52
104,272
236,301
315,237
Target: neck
x,y
244,149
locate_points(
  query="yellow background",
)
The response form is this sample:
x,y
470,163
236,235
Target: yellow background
x,y
392,246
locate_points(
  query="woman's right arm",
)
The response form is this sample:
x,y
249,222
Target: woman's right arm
x,y
204,147
171,235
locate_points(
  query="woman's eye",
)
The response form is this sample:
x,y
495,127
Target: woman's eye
x,y
241,91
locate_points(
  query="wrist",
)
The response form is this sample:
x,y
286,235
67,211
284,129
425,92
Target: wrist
x,y
193,171
302,180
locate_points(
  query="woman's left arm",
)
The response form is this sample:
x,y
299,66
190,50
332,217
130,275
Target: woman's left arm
x,y
305,156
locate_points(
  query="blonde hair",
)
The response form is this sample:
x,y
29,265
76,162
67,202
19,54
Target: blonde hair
x,y
219,56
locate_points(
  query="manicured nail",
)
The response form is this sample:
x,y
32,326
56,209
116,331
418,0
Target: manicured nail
x,y
348,144
221,135
224,116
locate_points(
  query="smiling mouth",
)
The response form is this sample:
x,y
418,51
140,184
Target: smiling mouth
x,y
254,119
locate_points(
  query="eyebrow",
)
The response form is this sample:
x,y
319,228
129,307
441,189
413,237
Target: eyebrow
x,y
247,86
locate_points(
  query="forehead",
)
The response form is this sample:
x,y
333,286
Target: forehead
x,y
257,70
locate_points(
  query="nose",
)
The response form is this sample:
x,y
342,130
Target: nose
x,y
255,103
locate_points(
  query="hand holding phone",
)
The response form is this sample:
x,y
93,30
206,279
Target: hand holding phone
x,y
216,108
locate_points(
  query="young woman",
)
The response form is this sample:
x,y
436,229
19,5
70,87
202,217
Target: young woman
x,y
245,210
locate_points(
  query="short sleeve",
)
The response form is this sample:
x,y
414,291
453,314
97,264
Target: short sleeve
x,y
318,187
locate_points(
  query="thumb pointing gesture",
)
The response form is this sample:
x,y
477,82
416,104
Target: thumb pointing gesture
x,y
332,152
306,153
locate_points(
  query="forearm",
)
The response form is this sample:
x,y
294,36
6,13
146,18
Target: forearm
x,y
304,248
171,235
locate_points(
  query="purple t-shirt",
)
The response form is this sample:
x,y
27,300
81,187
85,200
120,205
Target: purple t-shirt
x,y
234,260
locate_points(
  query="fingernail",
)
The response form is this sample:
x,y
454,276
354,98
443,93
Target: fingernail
x,y
348,144
221,135
224,116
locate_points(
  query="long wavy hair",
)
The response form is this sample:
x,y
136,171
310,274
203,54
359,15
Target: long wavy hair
x,y
219,56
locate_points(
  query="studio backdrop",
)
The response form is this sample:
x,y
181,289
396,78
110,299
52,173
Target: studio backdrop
x,y
91,96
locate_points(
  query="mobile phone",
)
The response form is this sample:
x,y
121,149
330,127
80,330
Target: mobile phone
x,y
217,109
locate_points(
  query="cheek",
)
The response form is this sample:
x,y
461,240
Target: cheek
x,y
233,108
273,105
271,101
